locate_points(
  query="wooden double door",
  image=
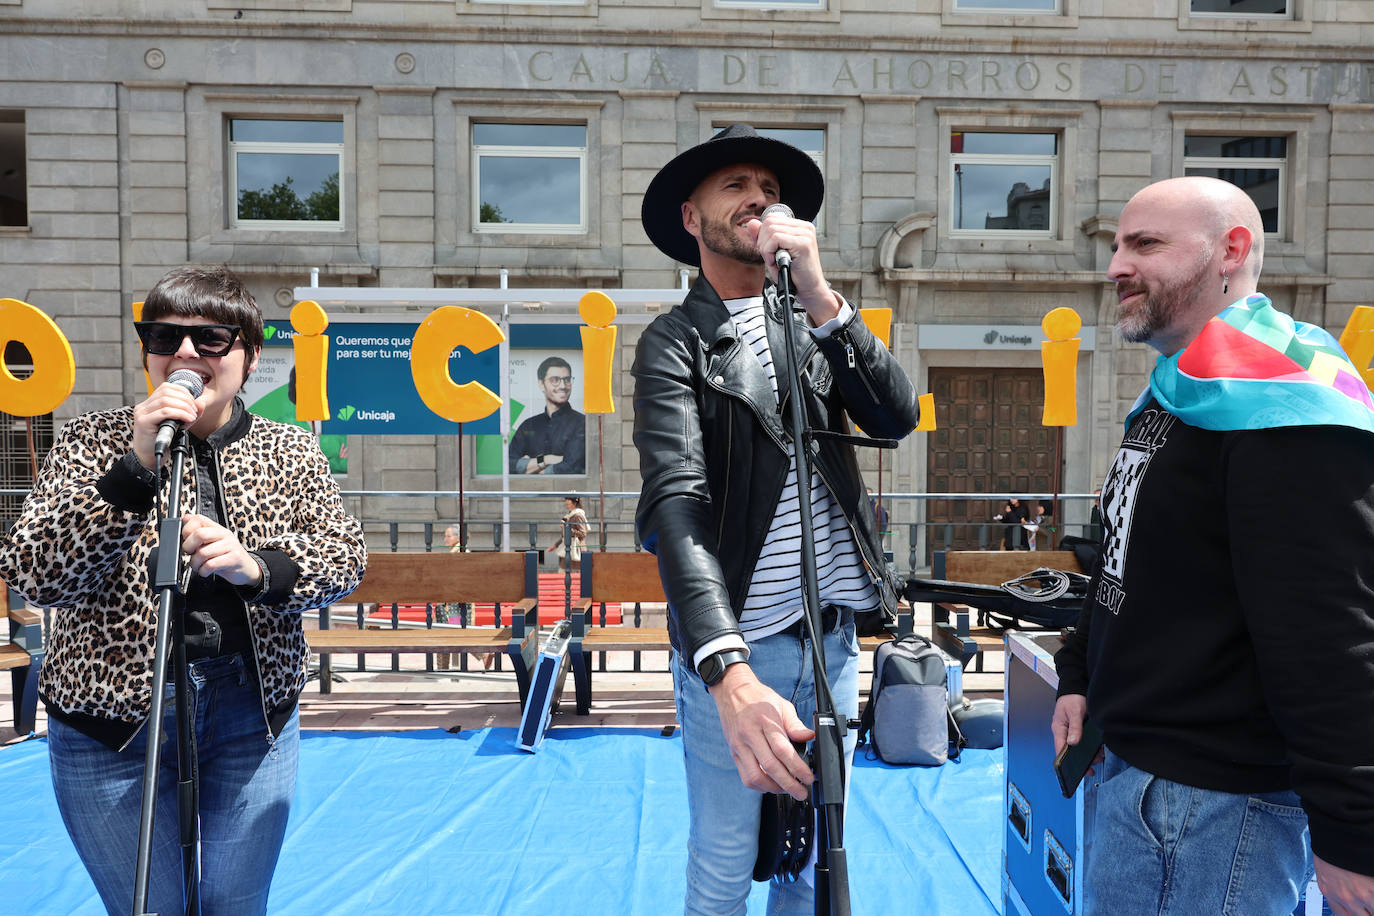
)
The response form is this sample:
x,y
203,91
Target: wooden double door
x,y
988,439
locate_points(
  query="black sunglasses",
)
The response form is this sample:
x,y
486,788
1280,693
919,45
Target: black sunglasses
x,y
163,338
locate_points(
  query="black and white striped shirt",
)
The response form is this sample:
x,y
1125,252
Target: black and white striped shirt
x,y
775,599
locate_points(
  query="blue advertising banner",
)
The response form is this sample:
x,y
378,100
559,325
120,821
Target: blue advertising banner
x,y
370,387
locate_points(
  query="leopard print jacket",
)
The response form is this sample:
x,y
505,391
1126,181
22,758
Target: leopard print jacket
x,y
74,551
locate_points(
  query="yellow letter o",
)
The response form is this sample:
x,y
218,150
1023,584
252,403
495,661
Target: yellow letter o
x,y
54,368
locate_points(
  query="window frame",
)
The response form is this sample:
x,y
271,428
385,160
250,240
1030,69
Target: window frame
x,y
528,7
1247,162
1298,19
211,238
1295,126
749,10
1010,119
1053,160
282,147
763,129
477,152
1009,9
1065,16
8,116
458,247
1222,14
813,6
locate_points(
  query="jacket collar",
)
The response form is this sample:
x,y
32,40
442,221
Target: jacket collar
x,y
234,429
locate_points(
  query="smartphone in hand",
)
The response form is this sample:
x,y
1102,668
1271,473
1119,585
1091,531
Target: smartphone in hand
x,y
1073,761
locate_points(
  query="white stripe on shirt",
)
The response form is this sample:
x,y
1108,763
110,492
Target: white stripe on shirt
x,y
774,599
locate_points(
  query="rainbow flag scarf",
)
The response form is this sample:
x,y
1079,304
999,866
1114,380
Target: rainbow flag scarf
x,y
1253,367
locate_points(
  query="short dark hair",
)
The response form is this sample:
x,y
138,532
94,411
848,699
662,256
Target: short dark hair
x,y
216,293
549,363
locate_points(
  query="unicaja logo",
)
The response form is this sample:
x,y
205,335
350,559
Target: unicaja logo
x,y
995,337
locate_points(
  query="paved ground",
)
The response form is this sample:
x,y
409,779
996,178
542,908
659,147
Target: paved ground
x,y
380,699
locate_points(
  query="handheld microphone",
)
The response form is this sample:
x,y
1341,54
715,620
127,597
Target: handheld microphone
x,y
192,383
781,209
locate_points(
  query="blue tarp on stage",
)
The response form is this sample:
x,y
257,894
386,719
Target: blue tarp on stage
x,y
595,822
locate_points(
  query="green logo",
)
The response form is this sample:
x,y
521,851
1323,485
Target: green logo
x,y
347,412
269,331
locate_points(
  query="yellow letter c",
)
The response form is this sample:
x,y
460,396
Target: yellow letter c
x,y
435,338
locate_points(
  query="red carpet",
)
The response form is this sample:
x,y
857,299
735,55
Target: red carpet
x,y
552,607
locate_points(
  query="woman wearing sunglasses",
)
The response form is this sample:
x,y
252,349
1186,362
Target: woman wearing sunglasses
x,y
264,537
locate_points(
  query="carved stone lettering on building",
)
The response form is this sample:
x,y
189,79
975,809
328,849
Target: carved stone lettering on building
x,y
945,75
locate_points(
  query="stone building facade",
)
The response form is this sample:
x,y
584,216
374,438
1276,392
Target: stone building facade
x,y
977,154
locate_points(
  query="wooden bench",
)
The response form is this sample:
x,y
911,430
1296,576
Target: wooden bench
x,y
21,654
623,578
507,580
632,578
982,567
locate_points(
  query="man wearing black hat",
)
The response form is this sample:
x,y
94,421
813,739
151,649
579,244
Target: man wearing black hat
x,y
720,497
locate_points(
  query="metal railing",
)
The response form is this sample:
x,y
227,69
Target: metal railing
x,y
908,542
524,520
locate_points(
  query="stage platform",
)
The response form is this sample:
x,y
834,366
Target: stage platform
x,y
424,823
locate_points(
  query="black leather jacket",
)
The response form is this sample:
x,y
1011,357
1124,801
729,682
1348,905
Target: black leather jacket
x,y
712,449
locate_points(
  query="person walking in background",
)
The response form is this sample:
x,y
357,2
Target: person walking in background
x,y
265,537
1035,519
1014,536
1227,661
573,530
1095,518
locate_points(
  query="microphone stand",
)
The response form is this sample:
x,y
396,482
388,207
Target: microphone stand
x,y
827,792
170,614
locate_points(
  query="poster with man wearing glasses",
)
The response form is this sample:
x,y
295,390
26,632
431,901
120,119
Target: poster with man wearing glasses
x,y
552,438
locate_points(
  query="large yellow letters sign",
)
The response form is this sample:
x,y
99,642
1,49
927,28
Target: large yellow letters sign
x,y
1060,357
598,351
54,367
435,338
312,357
1357,340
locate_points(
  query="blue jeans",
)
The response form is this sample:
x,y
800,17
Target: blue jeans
x,y
1166,849
722,841
246,784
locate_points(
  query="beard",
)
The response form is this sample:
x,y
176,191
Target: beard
x,y
1159,307
720,238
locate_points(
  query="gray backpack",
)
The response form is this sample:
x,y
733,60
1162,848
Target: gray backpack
x,y
907,715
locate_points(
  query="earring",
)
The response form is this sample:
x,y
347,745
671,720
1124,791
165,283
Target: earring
x,y
1225,283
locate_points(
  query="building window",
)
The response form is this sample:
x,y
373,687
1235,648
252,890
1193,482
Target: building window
x,y
285,174
810,5
14,177
810,140
529,177
1003,183
1241,9
1256,165
1007,6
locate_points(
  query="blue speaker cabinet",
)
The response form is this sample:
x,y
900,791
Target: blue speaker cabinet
x,y
1046,837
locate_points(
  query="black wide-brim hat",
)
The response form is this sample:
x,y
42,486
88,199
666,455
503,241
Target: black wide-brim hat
x,y
800,183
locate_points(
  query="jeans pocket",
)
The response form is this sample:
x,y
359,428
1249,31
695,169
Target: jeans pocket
x,y
1271,862
850,638
1152,805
